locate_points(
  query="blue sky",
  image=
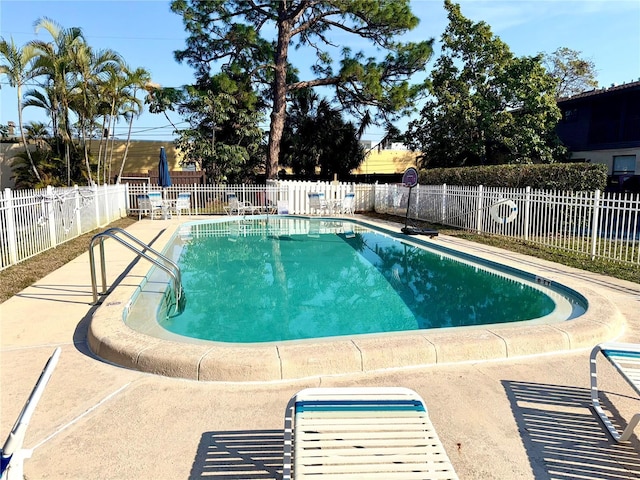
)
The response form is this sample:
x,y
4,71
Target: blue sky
x,y
146,32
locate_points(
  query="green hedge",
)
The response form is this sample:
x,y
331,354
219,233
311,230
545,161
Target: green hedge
x,y
557,176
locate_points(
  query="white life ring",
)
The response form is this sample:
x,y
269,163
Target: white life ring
x,y
513,211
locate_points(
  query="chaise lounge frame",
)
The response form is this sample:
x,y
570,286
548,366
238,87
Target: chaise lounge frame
x,y
625,357
365,432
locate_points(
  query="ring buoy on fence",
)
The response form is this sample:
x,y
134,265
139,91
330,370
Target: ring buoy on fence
x,y
495,214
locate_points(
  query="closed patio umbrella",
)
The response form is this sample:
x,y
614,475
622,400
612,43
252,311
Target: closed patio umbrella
x,y
164,178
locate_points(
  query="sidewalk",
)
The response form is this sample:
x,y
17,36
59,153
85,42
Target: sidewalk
x,y
522,418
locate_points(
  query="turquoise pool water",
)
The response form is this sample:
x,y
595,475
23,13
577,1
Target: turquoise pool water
x,y
285,278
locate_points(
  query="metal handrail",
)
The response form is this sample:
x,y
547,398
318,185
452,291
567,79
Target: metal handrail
x,y
112,233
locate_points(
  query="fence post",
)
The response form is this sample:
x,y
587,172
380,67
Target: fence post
x,y
479,211
96,203
127,198
76,210
51,216
443,208
12,238
595,230
107,202
293,205
527,213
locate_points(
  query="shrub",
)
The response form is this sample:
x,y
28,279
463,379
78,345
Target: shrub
x,y
557,176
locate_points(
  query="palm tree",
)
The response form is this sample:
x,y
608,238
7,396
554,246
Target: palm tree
x,y
18,69
55,61
138,79
90,67
114,92
37,131
45,99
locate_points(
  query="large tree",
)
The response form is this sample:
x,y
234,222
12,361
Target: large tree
x,y
487,106
255,36
224,137
573,73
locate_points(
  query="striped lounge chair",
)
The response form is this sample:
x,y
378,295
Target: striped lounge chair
x,y
625,357
373,433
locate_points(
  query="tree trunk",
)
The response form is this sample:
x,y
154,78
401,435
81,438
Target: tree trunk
x,y
279,112
126,150
86,152
24,140
102,144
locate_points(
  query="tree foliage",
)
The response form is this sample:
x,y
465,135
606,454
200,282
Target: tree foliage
x,y
487,106
253,38
48,162
574,74
317,142
84,93
224,137
18,68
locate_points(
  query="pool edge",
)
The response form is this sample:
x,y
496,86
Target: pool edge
x,y
110,339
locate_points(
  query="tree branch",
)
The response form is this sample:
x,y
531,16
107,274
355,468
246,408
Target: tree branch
x,y
313,83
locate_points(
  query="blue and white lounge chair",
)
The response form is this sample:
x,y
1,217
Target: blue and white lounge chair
x,y
13,455
368,432
625,357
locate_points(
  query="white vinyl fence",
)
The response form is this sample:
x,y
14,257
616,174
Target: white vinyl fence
x,y
596,224
604,225
32,221
211,199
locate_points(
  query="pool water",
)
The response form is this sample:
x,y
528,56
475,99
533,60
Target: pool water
x,y
283,278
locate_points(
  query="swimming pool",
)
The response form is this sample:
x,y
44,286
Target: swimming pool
x,y
279,279
151,348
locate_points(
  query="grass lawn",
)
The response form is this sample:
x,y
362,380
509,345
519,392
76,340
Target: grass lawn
x,y
18,277
624,271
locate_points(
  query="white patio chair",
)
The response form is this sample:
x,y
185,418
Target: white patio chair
x,y
347,207
317,205
283,207
183,202
237,207
147,207
156,199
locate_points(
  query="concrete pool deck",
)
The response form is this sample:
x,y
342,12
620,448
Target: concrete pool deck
x,y
525,417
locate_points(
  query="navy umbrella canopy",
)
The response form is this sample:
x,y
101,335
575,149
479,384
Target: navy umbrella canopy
x,y
164,178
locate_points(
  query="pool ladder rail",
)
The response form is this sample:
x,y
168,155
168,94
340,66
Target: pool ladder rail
x,y
162,262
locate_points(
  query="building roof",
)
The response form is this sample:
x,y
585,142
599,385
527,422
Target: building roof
x,y
600,91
